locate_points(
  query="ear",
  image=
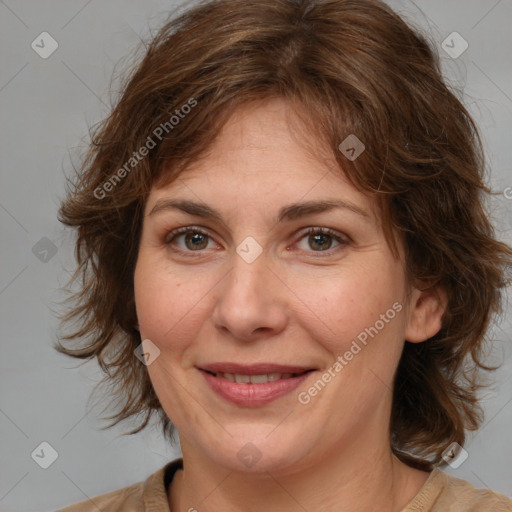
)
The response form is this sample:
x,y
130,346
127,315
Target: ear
x,y
426,310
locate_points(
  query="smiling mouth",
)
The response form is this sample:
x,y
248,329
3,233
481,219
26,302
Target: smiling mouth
x,y
253,386
263,378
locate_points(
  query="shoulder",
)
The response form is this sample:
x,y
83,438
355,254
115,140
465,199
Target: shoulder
x,y
445,493
147,496
128,498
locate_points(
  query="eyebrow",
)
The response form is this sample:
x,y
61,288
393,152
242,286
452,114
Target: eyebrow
x,y
287,213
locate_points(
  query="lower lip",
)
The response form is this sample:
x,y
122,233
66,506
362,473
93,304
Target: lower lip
x,y
253,395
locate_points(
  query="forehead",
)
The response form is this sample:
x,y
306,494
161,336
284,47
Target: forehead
x,y
264,150
266,135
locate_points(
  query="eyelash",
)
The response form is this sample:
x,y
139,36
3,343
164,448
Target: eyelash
x,y
343,241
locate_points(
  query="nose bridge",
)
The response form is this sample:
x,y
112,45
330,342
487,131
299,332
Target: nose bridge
x,y
249,299
247,280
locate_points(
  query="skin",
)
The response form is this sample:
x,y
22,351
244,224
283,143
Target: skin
x,y
294,304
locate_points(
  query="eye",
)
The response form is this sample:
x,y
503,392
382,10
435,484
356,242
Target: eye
x,y
194,239
321,239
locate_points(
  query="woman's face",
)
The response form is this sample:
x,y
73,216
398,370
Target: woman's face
x,y
257,289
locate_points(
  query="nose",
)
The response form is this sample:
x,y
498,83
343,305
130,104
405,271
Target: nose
x,y
251,301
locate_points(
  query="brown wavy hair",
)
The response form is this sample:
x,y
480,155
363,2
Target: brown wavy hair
x,y
349,67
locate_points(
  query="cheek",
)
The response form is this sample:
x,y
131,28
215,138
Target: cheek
x,y
349,304
169,305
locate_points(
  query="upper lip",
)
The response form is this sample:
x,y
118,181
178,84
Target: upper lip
x,y
253,369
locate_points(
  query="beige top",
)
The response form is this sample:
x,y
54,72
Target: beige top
x,y
440,493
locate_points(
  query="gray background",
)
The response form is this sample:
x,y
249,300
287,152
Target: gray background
x,y
47,106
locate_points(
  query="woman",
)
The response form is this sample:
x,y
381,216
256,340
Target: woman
x,y
285,256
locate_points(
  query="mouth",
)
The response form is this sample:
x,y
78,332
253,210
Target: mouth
x,y
262,378
253,385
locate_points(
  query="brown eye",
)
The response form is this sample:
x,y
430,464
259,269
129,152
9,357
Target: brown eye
x,y
194,239
321,239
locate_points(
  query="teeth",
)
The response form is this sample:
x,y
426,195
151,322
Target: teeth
x,y
259,379
254,379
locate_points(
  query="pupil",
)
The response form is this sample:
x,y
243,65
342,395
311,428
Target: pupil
x,y
196,240
318,238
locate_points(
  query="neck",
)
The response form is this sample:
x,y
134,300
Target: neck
x,y
344,481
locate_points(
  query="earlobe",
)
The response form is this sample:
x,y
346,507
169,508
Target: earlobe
x,y
426,311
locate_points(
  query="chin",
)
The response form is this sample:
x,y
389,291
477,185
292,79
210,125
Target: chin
x,y
259,450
